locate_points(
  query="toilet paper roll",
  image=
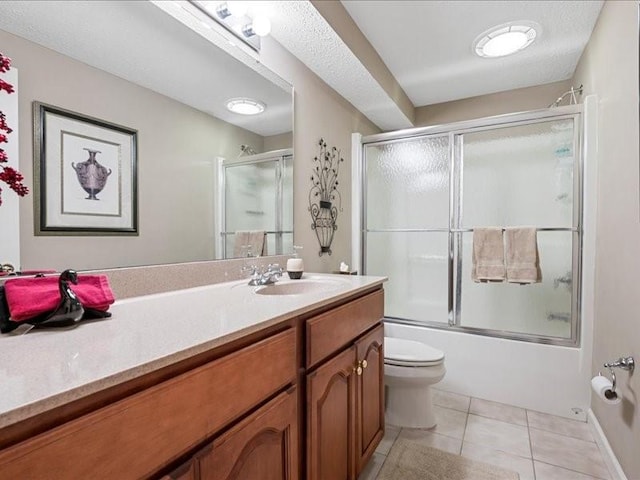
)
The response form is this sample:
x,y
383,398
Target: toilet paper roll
x,y
602,387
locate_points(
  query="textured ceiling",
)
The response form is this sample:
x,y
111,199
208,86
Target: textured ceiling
x,y
299,27
427,45
139,42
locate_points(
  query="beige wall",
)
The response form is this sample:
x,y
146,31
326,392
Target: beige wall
x,y
519,100
609,68
319,112
278,142
176,146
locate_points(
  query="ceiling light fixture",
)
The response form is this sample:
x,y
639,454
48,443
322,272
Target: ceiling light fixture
x,y
245,106
505,39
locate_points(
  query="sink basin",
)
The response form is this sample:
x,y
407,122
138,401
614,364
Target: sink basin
x,y
298,287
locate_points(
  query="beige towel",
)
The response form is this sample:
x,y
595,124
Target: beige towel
x,y
488,255
255,238
521,255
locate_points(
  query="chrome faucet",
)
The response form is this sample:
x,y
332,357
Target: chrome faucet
x,y
268,276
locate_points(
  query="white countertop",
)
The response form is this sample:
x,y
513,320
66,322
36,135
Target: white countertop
x,y
44,369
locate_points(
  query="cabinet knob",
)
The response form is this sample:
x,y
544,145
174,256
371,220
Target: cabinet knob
x,y
358,369
364,363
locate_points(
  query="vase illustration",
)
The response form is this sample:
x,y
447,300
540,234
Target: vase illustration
x,y
91,175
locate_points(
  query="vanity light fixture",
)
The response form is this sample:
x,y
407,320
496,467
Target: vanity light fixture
x,y
260,26
236,8
505,39
245,106
240,18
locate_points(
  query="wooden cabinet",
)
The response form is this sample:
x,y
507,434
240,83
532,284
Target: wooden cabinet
x,y
188,471
235,414
263,446
345,393
173,416
370,395
331,401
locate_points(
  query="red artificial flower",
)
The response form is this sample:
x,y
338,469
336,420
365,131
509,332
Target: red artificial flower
x,y
14,178
5,63
7,87
8,175
3,123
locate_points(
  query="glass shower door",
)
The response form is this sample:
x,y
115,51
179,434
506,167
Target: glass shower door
x,y
523,175
257,194
406,225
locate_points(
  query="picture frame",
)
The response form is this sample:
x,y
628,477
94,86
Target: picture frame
x,y
85,174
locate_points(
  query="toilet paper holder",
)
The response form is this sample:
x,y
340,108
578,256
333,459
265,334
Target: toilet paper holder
x,y
625,363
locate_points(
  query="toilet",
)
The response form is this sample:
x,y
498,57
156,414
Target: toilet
x,y
410,368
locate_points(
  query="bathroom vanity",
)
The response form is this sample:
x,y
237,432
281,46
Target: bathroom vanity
x,y
216,382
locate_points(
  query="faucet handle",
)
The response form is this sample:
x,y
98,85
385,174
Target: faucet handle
x,y
274,269
253,270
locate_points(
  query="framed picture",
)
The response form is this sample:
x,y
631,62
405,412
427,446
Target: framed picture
x,y
85,174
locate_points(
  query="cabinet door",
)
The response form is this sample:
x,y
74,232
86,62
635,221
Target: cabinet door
x,y
370,395
330,419
263,446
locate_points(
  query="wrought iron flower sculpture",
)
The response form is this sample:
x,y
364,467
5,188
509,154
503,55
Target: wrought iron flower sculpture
x,y
324,198
8,175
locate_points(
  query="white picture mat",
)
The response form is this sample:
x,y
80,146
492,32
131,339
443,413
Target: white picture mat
x,y
55,176
74,197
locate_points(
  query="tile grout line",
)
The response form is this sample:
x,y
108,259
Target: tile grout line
x,y
466,422
533,463
570,470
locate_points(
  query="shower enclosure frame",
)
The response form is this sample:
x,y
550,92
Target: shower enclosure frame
x,y
281,157
455,132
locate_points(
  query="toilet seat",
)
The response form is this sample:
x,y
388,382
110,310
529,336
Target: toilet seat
x,y
409,353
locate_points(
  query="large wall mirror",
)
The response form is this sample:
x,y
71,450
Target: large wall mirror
x,y
130,63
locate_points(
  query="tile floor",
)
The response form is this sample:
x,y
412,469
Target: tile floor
x,y
536,445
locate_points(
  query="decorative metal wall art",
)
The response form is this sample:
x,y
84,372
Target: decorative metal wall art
x,y
324,198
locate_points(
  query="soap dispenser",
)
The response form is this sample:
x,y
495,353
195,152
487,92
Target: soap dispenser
x,y
295,266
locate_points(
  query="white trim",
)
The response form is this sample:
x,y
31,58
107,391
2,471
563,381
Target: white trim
x,y
610,459
218,220
10,209
356,202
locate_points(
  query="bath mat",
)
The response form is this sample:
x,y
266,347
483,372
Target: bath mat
x,y
409,460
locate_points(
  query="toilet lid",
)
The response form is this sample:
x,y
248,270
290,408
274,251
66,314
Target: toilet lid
x,y
398,351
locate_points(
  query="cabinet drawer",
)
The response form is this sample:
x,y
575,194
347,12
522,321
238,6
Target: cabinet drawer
x,y
136,436
337,328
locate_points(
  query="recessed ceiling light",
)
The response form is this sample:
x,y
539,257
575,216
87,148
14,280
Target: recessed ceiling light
x,y
505,40
245,106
